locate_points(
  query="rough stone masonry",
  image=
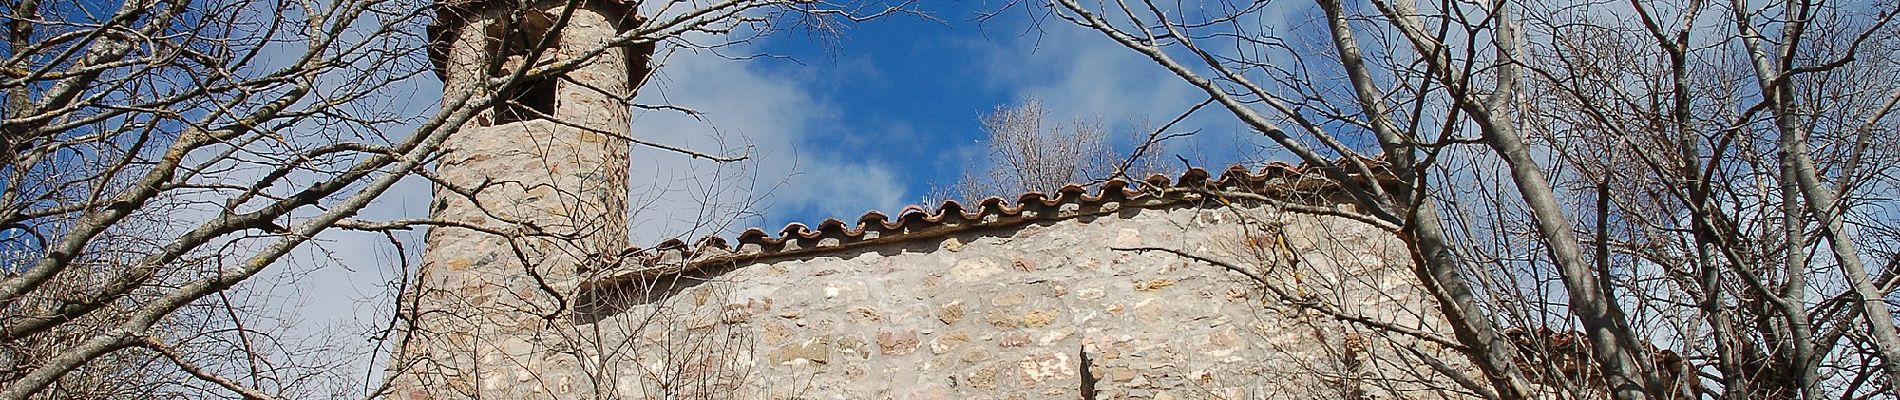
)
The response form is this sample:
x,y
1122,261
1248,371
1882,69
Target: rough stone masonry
x,y
535,197
1048,309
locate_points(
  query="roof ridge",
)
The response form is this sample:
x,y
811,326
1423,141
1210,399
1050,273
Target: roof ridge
x,y
674,256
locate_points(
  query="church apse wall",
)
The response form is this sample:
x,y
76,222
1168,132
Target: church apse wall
x,y
1051,309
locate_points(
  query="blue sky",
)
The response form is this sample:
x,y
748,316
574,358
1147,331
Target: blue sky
x,y
871,118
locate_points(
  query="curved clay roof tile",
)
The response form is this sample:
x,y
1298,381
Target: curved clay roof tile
x,y
793,229
713,242
916,219
995,205
833,226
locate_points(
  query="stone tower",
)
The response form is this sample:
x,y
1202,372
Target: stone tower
x,y
544,174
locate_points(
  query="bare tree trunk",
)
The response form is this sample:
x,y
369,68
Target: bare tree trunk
x,y
1794,263
1436,265
1613,343
1587,300
1821,202
1776,87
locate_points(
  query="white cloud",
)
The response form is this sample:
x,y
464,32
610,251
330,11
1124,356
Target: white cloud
x,y
785,125
1078,73
844,190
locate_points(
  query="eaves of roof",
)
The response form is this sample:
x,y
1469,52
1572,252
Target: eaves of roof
x,y
1275,180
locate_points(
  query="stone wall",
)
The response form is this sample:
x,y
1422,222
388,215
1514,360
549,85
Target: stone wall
x,y
534,204
1046,310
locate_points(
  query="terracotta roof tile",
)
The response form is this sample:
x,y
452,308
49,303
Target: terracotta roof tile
x,y
916,222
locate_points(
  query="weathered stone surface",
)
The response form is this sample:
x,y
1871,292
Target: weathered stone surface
x,y
951,312
949,341
1044,367
853,345
984,378
1154,284
1015,312
897,343
816,350
1014,339
1038,318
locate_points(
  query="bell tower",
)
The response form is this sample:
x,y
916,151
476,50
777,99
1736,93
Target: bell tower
x,y
528,194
